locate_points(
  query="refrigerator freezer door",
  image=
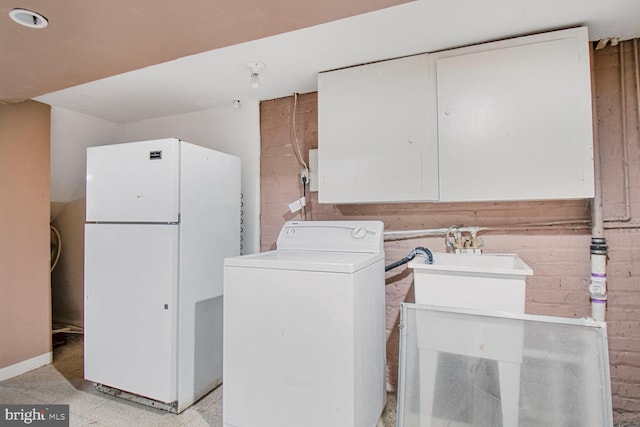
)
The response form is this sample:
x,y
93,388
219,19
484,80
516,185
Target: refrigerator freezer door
x,y
134,182
131,274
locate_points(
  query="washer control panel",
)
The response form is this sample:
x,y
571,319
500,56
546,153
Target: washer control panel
x,y
332,236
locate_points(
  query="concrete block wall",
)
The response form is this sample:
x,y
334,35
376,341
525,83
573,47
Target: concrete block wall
x,y
552,237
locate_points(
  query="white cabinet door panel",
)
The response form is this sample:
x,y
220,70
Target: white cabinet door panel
x,y
373,144
514,123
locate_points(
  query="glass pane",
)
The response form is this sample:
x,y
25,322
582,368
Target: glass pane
x,y
473,368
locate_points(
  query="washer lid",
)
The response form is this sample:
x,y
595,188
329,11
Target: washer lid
x,y
332,236
334,262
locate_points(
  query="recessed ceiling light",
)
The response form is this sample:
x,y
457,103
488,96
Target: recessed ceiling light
x,y
28,18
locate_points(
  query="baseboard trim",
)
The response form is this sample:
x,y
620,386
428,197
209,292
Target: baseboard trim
x,y
25,366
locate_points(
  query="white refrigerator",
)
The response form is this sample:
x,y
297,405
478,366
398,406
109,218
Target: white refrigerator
x,y
161,217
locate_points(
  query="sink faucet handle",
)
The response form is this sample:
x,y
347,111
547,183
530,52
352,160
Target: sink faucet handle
x,y
476,242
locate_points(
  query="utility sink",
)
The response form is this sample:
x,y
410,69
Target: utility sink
x,y
493,282
488,282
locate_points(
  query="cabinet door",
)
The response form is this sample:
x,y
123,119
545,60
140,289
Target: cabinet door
x,y
514,122
373,144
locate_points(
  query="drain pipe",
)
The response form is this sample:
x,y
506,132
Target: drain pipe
x,y
598,285
599,249
417,251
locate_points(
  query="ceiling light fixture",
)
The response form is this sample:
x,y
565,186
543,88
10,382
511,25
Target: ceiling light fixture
x,y
255,68
28,18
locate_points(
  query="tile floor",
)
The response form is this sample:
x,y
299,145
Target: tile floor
x,y
63,382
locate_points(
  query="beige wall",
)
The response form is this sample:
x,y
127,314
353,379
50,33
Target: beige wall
x,y
552,237
25,292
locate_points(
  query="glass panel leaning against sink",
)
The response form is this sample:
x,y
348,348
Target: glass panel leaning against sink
x,y
461,367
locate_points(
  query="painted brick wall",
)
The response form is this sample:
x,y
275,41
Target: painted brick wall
x,y
616,80
558,253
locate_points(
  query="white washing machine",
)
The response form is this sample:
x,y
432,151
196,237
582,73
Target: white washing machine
x,y
304,329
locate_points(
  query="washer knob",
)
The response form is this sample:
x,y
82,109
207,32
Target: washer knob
x,y
358,232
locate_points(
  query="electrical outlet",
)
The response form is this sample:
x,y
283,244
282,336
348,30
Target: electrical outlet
x,y
304,175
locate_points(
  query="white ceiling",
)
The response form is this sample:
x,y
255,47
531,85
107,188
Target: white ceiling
x,y
292,60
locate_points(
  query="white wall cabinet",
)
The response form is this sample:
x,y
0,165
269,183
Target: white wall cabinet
x,y
373,144
507,120
515,120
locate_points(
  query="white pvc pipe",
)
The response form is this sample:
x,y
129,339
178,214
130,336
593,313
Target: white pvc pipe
x,y
408,234
427,232
598,284
597,211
